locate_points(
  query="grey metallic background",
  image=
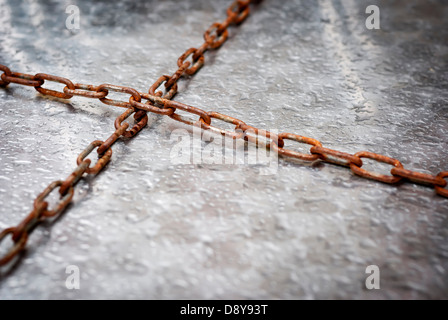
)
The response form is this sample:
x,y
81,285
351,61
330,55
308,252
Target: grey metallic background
x,y
148,229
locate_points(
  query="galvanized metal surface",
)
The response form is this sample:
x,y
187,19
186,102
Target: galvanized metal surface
x,y
148,228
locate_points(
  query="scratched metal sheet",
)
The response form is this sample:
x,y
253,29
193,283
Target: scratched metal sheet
x,y
147,227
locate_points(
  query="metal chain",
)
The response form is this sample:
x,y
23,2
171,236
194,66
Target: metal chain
x,y
160,103
157,102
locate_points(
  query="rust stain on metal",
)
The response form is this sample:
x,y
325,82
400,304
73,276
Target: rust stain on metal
x,y
336,157
442,191
48,92
374,175
21,78
102,160
419,177
87,90
295,154
237,134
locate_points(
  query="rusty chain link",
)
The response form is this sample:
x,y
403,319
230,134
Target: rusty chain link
x,y
161,103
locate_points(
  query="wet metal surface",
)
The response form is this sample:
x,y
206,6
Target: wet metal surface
x,y
147,227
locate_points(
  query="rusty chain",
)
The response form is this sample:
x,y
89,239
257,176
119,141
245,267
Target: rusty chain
x,y
160,103
156,102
